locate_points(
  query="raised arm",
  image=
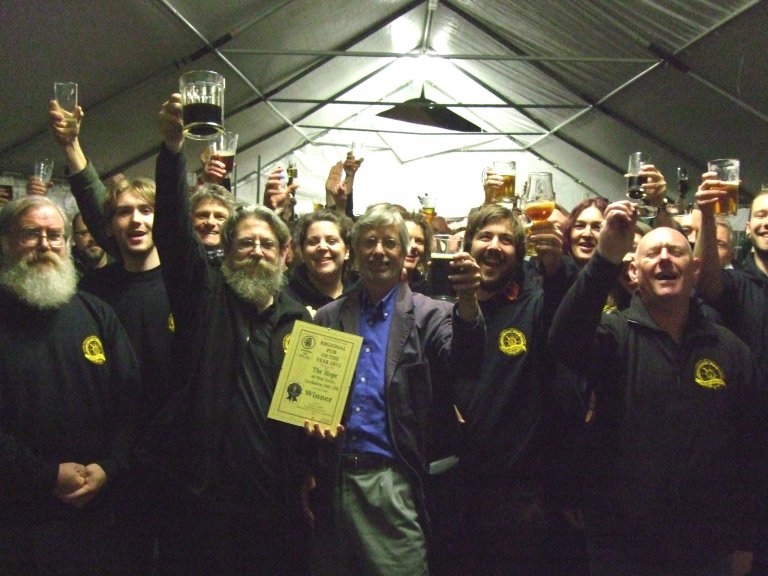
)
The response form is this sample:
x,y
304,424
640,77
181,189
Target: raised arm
x,y
574,328
181,252
84,180
710,277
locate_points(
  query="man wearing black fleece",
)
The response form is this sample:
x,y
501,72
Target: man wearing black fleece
x,y
676,468
68,388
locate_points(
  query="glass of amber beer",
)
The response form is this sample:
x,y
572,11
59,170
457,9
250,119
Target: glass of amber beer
x,y
499,182
728,173
539,204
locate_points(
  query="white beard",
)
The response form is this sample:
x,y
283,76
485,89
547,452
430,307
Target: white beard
x,y
254,282
41,286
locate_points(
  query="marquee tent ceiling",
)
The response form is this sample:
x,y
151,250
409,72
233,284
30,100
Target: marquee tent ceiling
x,y
577,84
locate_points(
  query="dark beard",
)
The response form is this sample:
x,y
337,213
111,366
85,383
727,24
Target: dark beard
x,y
46,287
254,282
87,257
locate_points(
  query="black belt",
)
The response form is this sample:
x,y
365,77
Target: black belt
x,y
365,462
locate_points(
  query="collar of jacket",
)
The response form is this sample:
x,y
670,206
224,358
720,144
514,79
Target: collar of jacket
x,y
697,326
752,271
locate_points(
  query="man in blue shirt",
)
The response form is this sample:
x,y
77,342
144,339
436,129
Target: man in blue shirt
x,y
370,505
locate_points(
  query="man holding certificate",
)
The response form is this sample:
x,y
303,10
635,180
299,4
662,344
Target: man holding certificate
x,y
368,503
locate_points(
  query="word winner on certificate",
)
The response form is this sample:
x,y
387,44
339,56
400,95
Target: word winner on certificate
x,y
316,375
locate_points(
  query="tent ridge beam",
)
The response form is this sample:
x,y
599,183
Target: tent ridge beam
x,y
472,57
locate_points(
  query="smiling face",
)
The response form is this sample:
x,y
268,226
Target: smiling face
x,y
665,268
34,261
380,258
416,247
132,226
493,247
584,234
324,252
757,226
207,218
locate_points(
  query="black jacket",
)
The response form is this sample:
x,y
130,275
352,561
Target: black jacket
x,y
212,328
675,448
743,306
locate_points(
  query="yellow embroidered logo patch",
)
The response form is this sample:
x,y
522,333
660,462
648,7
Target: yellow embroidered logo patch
x,y
512,342
171,323
709,374
94,350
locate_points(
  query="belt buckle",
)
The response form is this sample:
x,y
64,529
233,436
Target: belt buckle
x,y
354,462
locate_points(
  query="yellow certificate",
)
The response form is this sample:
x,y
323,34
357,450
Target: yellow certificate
x,y
316,375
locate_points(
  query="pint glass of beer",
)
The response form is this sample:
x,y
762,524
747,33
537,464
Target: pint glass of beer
x,y
65,93
499,182
202,99
728,172
224,149
443,250
539,204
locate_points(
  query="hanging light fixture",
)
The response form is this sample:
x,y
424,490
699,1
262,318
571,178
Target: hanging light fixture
x,y
426,112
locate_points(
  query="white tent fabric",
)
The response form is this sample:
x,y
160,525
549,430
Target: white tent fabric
x,y
569,87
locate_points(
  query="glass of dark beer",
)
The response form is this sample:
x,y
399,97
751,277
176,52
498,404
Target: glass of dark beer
x,y
635,181
202,99
224,148
444,248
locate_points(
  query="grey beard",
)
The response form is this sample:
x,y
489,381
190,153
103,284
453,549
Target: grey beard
x,y
44,288
255,283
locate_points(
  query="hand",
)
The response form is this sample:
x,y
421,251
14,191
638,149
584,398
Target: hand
x,y
71,478
492,185
351,164
656,187
465,276
171,123
548,239
741,563
307,485
36,187
465,280
214,170
335,186
95,480
277,196
65,126
315,430
618,231
709,193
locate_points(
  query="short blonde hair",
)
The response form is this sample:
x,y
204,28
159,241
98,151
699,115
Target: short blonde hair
x,y
142,187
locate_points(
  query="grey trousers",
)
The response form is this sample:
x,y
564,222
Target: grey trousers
x,y
376,530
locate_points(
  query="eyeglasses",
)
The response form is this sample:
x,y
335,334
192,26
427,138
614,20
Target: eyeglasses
x,y
32,236
247,245
388,244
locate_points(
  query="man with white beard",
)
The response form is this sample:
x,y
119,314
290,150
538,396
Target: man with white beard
x,y
68,382
233,466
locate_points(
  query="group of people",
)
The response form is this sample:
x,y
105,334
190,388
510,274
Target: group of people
x,y
581,411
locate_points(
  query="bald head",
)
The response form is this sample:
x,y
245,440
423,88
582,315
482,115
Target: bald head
x,y
664,267
665,236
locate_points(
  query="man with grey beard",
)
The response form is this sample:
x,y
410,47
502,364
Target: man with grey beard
x,y
68,382
214,444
